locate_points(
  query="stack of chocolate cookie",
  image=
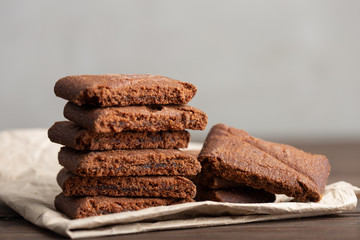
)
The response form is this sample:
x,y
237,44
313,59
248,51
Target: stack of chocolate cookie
x,y
121,143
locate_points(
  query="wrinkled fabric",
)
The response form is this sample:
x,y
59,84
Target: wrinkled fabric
x,y
28,185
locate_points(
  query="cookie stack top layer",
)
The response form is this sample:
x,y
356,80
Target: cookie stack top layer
x,y
123,90
123,102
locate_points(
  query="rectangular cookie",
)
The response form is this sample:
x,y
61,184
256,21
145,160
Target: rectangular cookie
x,y
235,195
276,168
214,182
209,179
82,207
133,186
137,162
123,90
71,135
136,118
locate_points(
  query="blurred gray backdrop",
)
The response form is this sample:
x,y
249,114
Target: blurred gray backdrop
x,y
278,69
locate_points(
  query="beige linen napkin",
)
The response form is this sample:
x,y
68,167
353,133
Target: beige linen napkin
x,y
27,184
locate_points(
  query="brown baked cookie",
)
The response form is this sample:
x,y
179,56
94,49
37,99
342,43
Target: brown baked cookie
x,y
123,90
208,178
82,207
139,162
133,186
214,182
136,118
274,167
69,134
236,195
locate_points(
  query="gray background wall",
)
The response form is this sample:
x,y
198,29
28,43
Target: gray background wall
x,y
278,69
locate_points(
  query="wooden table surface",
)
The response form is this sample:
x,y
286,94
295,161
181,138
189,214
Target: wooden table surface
x,y
345,165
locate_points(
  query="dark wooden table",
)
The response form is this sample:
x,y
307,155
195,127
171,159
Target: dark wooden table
x,y
345,165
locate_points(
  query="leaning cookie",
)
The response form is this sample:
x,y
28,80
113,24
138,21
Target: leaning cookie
x,y
273,167
123,90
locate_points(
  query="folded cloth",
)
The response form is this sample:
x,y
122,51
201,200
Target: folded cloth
x,y
28,185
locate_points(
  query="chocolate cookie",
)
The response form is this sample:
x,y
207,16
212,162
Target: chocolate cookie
x,y
238,195
69,134
208,178
140,162
100,205
215,182
123,90
274,167
136,118
134,186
